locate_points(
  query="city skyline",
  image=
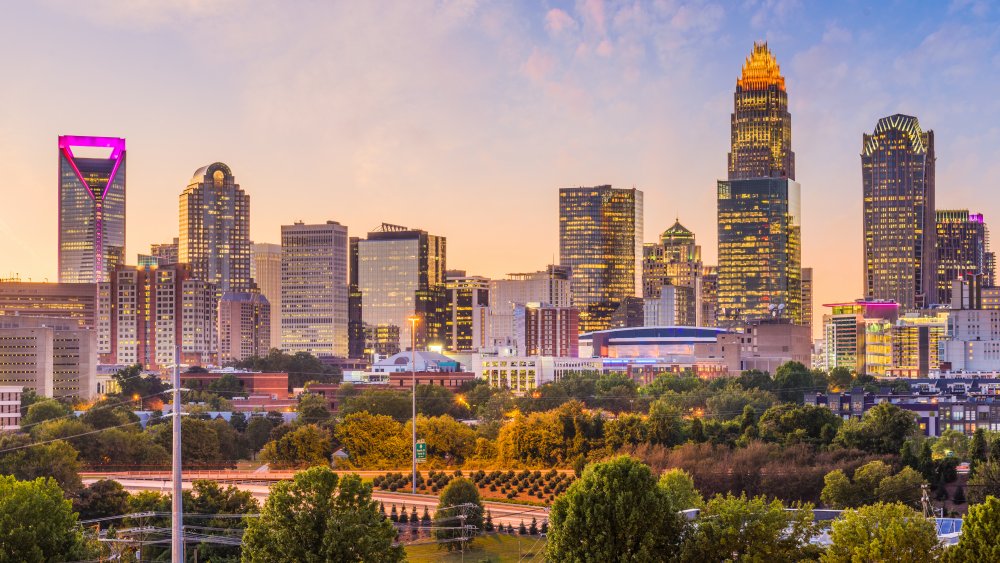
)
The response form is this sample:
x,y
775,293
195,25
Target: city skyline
x,y
670,146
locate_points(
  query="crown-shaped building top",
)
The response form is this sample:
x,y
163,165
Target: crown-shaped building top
x,y
761,70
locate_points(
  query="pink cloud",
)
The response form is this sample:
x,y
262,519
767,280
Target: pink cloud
x,y
538,66
557,20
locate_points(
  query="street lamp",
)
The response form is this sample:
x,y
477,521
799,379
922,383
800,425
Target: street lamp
x,y
414,319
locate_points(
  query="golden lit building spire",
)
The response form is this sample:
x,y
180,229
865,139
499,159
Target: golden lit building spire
x,y
761,70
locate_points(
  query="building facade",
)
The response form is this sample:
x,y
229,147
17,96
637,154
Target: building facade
x,y
600,241
807,297
152,310
962,249
10,408
77,301
546,330
399,274
760,250
550,286
761,128
314,288
897,168
91,208
675,262
215,229
53,357
244,326
265,269
468,312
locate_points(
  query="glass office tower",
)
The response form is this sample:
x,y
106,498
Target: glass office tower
x,y
963,249
897,168
91,208
600,240
760,250
398,272
314,289
215,229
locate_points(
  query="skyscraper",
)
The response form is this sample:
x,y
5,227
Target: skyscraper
x,y
550,286
807,297
897,169
963,248
759,209
265,270
600,240
314,292
215,229
91,208
244,326
399,273
761,136
675,261
468,311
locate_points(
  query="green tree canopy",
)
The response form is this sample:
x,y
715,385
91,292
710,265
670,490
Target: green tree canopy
x,y
455,520
302,367
447,438
40,411
37,524
789,423
374,441
882,532
100,499
985,482
882,430
680,488
258,431
27,460
312,409
320,517
615,512
732,528
980,530
305,446
388,402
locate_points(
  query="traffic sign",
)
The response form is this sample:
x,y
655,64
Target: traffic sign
x,y
421,451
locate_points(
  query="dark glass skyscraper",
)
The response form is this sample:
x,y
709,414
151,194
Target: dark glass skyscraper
x,y
963,248
761,136
91,208
897,168
759,206
600,240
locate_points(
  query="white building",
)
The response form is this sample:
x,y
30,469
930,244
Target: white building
x,y
550,286
524,374
55,358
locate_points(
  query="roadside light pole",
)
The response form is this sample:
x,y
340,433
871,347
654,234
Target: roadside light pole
x,y
413,392
177,502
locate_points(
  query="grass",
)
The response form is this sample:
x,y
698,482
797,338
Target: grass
x,y
491,547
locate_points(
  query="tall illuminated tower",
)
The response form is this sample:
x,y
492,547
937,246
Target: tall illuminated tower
x,y
963,249
759,206
600,240
897,168
91,208
761,135
215,229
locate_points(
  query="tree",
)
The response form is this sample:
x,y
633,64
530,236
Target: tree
x,y
614,512
100,499
37,523
257,433
882,430
388,402
434,400
320,517
26,460
951,443
374,440
627,429
789,423
840,379
665,425
680,488
132,382
302,367
980,530
208,499
459,513
882,532
446,438
985,482
312,409
108,414
200,445
873,481
903,487
238,421
977,447
732,528
792,381
45,409
305,446
228,386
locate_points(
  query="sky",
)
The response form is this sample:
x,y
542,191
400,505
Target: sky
x,y
465,118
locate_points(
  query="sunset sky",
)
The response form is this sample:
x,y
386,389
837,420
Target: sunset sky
x,y
465,118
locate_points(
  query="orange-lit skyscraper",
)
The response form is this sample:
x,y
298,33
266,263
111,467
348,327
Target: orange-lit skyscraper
x,y
759,206
761,144
897,168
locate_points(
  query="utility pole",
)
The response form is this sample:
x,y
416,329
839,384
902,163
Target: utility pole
x,y
177,508
413,392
